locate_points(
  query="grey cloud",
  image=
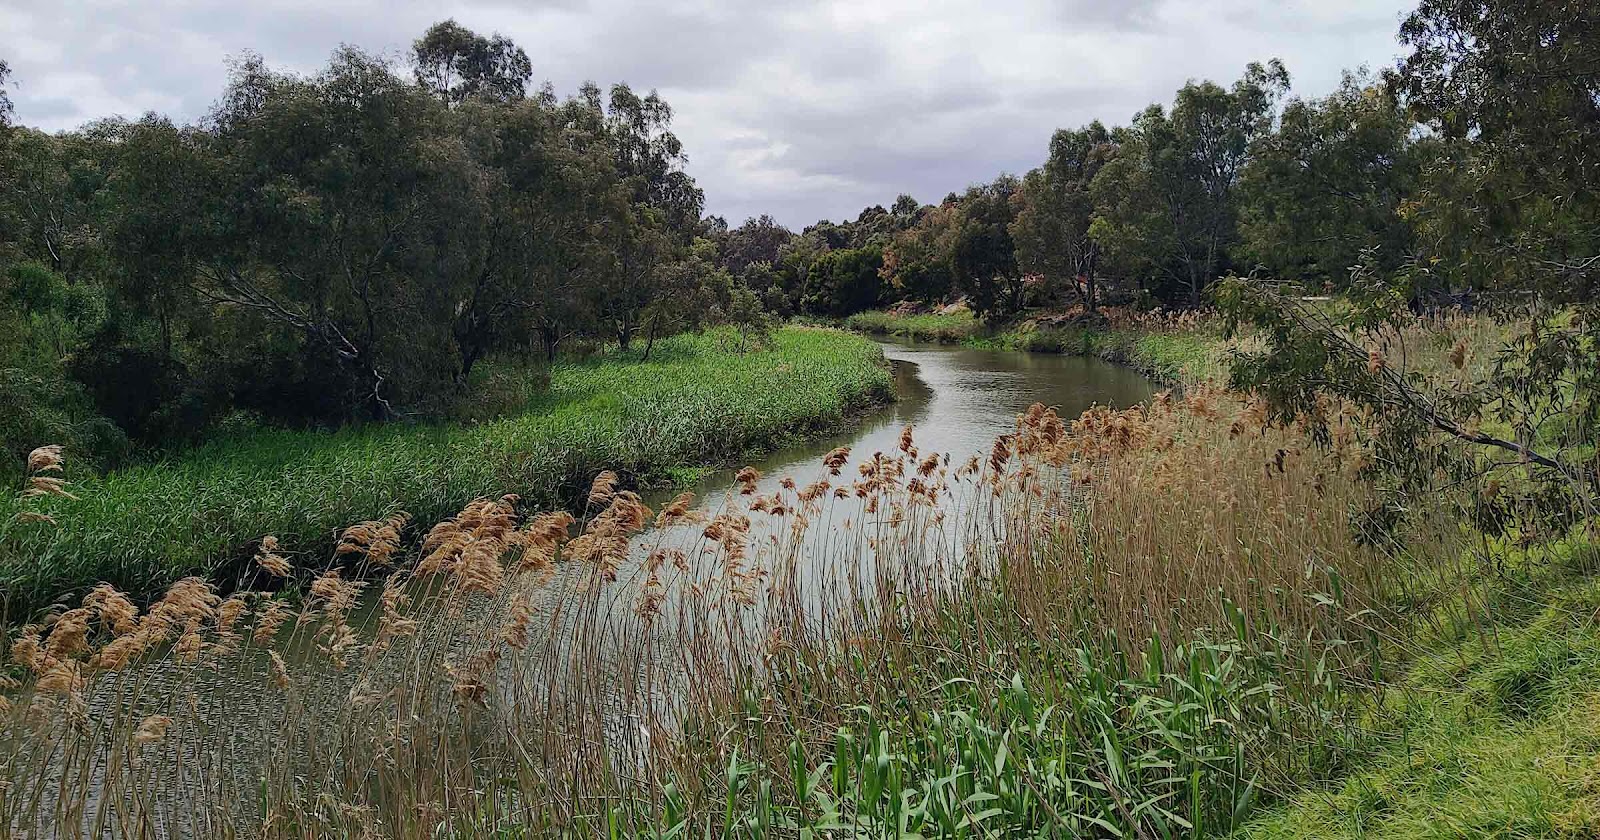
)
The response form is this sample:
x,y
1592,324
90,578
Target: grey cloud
x,y
1129,14
804,109
52,108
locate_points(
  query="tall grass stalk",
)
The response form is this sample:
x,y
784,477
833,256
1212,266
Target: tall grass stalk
x,y
1144,623
695,402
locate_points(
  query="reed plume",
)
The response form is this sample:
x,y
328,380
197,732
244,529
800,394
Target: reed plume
x,y
376,541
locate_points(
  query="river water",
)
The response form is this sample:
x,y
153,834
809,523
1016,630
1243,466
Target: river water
x,y
957,399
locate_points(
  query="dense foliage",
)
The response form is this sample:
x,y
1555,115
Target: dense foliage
x,y
341,247
699,399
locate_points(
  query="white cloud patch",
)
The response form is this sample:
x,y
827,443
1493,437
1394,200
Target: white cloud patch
x,y
801,109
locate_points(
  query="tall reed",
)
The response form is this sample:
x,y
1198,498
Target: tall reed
x,y
1141,622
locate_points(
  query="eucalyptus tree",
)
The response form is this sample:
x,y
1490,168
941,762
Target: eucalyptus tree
x,y
757,240
1326,191
1051,231
651,159
844,281
916,263
980,251
341,194
631,246
51,200
456,64
6,107
158,210
1169,200
1513,89
540,178
7,224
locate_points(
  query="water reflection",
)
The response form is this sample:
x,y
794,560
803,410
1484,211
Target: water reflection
x,y
958,399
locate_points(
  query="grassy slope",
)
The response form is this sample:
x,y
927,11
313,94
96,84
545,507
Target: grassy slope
x,y
1494,729
1487,735
1476,739
693,403
1171,356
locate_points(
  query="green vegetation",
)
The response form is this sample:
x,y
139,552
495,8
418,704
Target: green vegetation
x,y
341,247
945,328
1028,701
1492,732
1344,583
1172,357
695,402
1074,678
1170,349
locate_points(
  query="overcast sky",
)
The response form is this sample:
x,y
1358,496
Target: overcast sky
x,y
804,110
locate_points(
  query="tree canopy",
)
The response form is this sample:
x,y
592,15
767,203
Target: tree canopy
x,y
341,247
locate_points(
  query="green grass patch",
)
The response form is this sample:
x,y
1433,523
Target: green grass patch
x,y
1494,734
1170,356
951,328
693,403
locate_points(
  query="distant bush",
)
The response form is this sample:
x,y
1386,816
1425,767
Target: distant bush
x,y
945,328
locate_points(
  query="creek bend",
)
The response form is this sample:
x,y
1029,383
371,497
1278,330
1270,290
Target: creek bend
x,y
233,729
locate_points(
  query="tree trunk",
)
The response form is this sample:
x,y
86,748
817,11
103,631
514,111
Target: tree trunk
x,y
381,410
551,338
470,354
166,329
650,342
1090,290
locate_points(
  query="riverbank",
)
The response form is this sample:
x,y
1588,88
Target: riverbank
x,y
1172,349
1207,643
1491,727
1483,725
695,403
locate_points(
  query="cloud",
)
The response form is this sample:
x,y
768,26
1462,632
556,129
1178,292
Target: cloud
x,y
799,108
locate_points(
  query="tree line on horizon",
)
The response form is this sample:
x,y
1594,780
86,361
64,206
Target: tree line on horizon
x,y
351,245
1467,167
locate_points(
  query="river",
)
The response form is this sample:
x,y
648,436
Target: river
x,y
958,399
231,730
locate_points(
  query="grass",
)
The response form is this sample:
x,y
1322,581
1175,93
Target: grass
x,y
945,328
1490,731
1495,736
1172,348
1162,622
800,664
202,513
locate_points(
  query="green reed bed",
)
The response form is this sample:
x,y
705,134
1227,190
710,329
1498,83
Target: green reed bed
x,y
1170,347
945,328
696,401
1071,738
1136,641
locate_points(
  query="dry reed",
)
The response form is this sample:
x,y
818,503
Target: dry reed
x,y
511,673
